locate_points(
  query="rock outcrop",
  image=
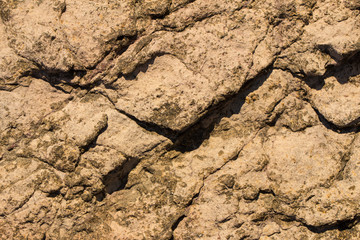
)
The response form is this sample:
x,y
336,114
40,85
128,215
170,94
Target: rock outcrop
x,y
180,119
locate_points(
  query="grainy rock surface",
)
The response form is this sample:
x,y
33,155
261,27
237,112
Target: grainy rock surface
x,y
180,119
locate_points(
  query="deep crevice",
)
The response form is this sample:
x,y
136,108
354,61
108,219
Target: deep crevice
x,y
228,218
56,78
177,222
117,179
155,16
342,71
340,225
194,197
270,191
329,125
196,133
142,67
152,127
54,194
148,126
92,143
194,136
131,39
120,44
175,225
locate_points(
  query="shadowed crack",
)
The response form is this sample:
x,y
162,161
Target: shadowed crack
x,y
342,71
192,138
148,126
152,127
92,142
340,225
56,78
116,180
175,225
350,128
195,196
183,216
177,222
329,125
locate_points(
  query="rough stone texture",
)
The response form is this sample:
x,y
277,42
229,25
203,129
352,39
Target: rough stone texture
x,y
179,119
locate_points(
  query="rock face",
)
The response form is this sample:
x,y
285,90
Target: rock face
x,y
180,119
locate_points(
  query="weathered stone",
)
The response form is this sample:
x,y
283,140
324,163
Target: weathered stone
x,y
182,119
337,100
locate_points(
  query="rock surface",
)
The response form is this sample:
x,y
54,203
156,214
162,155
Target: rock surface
x,y
179,119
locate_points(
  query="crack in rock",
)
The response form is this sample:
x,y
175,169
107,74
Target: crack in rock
x,y
181,119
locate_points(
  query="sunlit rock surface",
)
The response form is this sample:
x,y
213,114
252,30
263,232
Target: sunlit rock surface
x,y
179,119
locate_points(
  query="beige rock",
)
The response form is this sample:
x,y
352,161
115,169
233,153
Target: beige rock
x,y
98,24
331,36
169,94
13,67
182,119
337,101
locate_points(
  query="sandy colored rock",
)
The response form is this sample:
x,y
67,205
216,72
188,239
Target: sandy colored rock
x,y
182,119
167,95
337,100
14,68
